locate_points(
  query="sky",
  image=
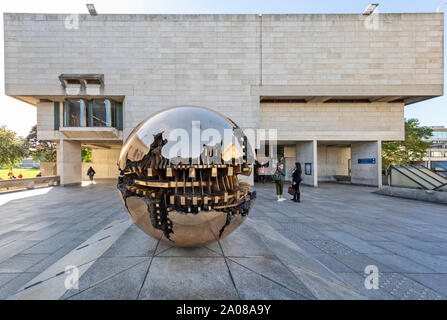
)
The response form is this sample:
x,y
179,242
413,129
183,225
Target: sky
x,y
20,117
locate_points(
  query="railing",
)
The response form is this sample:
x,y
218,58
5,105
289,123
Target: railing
x,y
28,183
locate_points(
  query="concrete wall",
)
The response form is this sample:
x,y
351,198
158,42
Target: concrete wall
x,y
156,61
339,49
104,162
366,174
332,160
48,169
227,62
69,162
334,121
306,152
45,121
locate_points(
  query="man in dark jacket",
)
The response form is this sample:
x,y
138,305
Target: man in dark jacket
x,y
296,180
91,173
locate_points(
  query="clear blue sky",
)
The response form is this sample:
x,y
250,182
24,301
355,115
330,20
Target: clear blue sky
x,y
20,116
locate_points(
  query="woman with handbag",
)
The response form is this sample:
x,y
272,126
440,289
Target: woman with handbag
x,y
296,180
278,177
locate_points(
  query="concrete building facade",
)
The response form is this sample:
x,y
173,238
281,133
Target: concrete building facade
x,y
436,158
333,86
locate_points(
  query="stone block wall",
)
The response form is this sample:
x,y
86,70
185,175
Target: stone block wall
x,y
225,62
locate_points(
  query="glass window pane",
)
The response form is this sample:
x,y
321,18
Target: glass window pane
x,y
73,113
83,112
108,113
99,113
113,112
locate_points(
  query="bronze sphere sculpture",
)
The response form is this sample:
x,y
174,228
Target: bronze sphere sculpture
x,y
179,176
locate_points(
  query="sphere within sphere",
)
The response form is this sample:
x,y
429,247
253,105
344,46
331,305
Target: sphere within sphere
x,y
179,176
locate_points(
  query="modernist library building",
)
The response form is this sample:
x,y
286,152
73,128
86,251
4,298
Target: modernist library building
x,y
334,86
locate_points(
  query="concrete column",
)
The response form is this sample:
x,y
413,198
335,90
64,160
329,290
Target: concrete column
x,y
306,152
69,162
363,172
58,171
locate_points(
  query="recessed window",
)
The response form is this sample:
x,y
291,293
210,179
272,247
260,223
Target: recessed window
x,y
75,113
93,82
73,81
101,113
93,113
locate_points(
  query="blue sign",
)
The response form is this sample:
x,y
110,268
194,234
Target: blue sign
x,y
367,161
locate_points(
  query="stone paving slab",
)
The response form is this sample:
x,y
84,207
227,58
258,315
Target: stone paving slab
x,y
251,285
10,287
50,284
436,281
271,269
188,278
124,286
101,271
317,249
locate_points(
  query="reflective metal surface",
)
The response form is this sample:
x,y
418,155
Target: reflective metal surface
x,y
178,176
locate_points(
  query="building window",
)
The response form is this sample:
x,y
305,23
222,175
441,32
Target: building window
x,y
439,135
75,114
93,113
103,113
436,154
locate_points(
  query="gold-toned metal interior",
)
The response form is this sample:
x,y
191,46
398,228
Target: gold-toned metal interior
x,y
189,202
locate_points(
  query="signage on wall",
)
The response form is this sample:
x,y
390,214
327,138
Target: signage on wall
x,y
367,161
308,169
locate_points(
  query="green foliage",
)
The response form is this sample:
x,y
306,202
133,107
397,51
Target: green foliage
x,y
86,154
12,148
412,149
43,151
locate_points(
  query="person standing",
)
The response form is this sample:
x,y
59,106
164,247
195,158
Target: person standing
x,y
91,173
279,177
296,180
261,174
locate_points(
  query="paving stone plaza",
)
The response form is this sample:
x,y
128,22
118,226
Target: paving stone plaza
x,y
317,249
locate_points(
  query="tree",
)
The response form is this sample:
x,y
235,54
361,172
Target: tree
x,y
411,150
12,148
41,150
86,155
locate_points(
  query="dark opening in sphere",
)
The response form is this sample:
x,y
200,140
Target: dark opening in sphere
x,y
179,176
